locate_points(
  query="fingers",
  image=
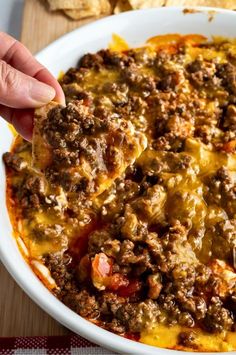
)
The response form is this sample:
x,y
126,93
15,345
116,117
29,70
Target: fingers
x,y
19,57
45,77
22,120
18,90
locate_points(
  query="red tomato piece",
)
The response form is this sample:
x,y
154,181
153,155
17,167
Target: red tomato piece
x,y
230,146
101,269
129,290
132,336
116,281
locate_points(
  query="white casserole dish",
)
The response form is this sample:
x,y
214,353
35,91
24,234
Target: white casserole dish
x,y
135,27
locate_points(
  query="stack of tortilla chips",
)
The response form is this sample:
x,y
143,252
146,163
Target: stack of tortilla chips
x,y
79,9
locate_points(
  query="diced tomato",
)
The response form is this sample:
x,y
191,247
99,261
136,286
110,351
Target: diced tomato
x,y
133,287
101,270
87,101
230,146
102,265
132,336
116,281
79,246
102,277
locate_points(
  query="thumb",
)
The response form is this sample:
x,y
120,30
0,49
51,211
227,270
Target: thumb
x,y
18,90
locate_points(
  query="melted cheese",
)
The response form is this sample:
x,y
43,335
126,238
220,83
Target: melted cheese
x,y
118,44
167,337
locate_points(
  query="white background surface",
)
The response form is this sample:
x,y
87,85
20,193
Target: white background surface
x,y
11,16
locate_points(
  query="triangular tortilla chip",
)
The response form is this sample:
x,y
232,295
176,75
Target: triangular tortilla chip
x,y
145,4
92,8
80,151
121,6
70,4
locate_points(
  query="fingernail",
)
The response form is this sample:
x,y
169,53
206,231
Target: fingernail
x,y
60,100
41,93
60,97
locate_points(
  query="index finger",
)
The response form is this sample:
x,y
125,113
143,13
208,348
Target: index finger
x,y
18,56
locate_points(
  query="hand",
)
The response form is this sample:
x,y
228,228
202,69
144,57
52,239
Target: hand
x,y
24,85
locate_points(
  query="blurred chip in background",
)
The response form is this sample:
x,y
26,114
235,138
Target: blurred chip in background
x,y
80,9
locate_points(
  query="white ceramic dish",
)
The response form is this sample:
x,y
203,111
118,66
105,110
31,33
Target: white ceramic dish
x,y
135,27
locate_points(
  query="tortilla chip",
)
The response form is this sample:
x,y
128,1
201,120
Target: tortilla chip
x,y
105,7
226,4
121,6
144,4
90,8
81,14
66,4
117,147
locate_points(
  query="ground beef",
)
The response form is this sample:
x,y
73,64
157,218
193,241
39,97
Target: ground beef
x,y
154,244
187,339
65,125
196,305
170,78
155,286
70,132
230,118
132,76
15,162
72,76
126,254
82,303
35,184
202,73
224,240
141,57
167,289
32,193
169,141
57,264
106,58
170,307
217,318
137,316
75,92
115,326
205,133
97,240
227,73
91,61
222,190
203,274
